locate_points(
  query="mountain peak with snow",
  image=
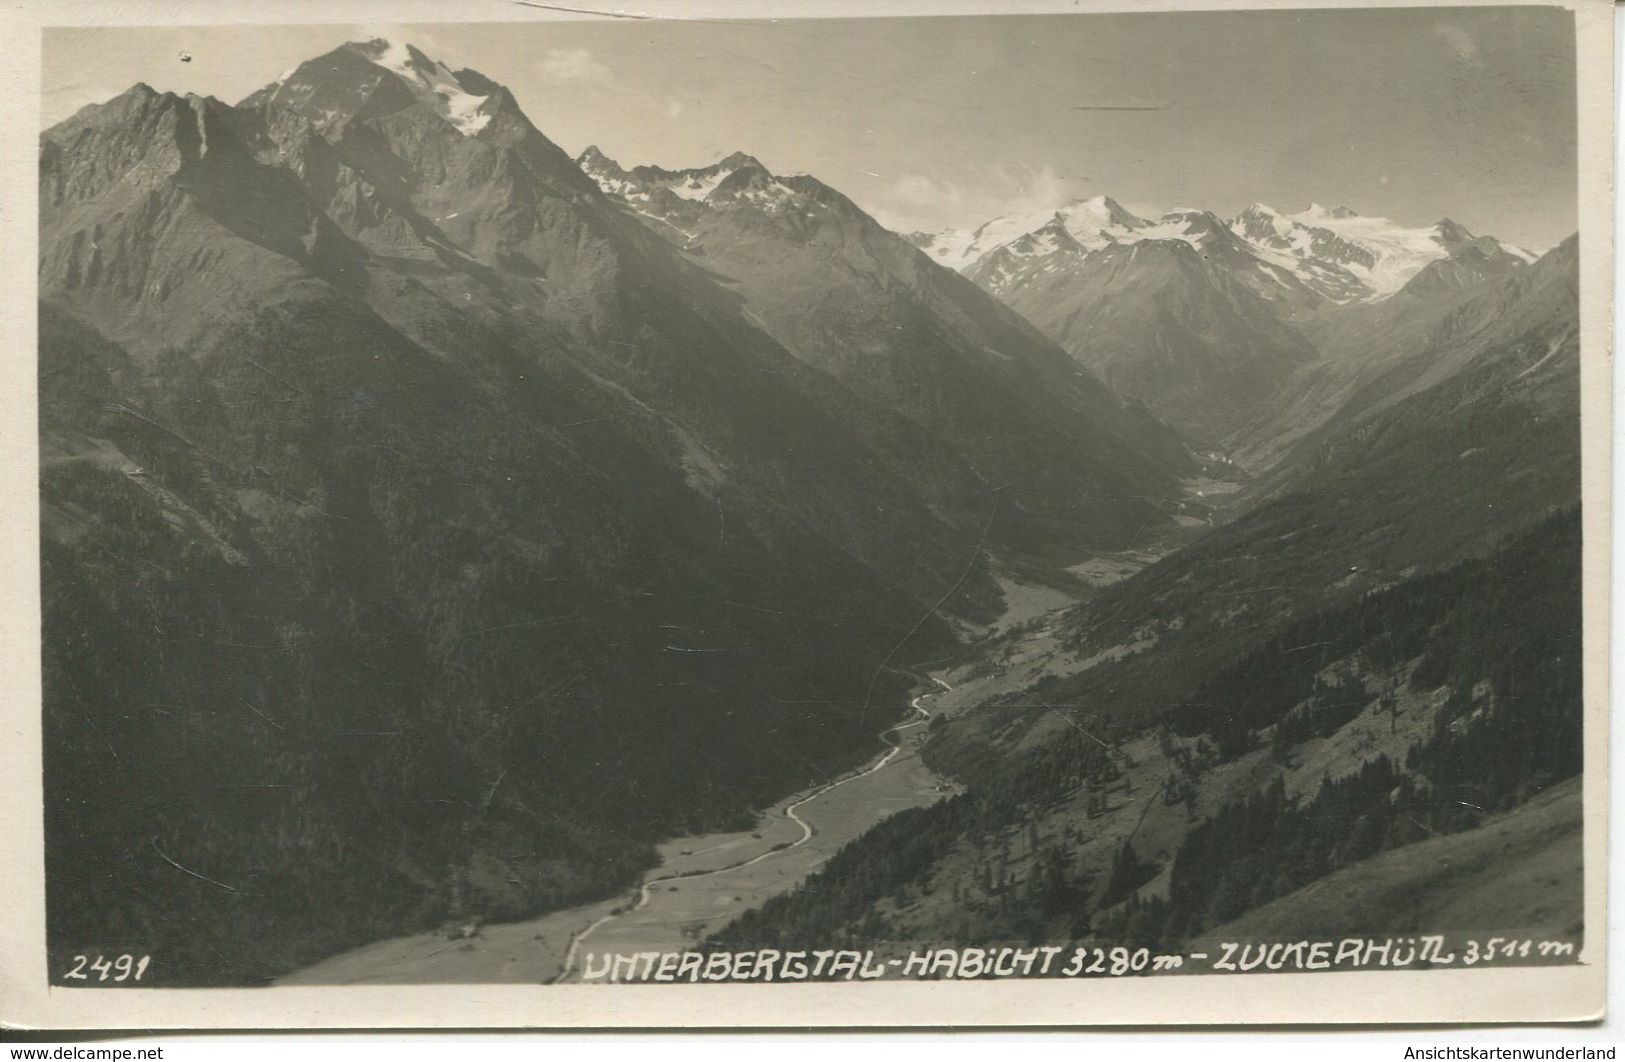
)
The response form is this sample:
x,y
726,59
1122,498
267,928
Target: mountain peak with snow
x,y
1316,212
1348,256
1261,221
674,196
739,160
377,78
1090,224
604,170
1335,251
1452,232
1107,208
433,83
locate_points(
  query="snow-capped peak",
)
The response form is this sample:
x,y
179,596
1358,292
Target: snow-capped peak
x,y
738,161
1091,223
432,82
1098,221
737,179
1261,221
1343,254
1335,251
1317,213
596,159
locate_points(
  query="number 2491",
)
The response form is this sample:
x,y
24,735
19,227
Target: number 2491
x,y
124,967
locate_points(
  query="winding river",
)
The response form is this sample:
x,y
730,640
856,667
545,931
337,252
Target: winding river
x,y
701,883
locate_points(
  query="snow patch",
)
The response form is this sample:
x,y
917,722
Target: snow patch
x,y
699,184
435,85
1400,252
1094,223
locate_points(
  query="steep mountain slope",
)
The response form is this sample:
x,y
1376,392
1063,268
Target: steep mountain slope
x,y
1162,320
1374,355
1361,504
1518,872
967,376
424,536
537,261
1369,730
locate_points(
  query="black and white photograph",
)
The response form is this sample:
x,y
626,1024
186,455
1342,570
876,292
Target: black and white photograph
x,y
617,505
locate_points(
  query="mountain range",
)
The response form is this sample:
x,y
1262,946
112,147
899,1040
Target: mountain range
x,y
432,521
1203,318
1338,253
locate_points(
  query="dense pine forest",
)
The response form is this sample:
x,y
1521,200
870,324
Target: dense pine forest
x,y
292,707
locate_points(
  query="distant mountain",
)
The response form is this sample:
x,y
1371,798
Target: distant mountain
x,y
1371,355
1013,267
1161,323
1446,455
645,184
1506,353
1484,399
1472,262
912,339
1092,223
1350,258
1335,254
1175,313
1212,323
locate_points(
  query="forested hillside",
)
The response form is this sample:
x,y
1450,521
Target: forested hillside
x,y
1491,647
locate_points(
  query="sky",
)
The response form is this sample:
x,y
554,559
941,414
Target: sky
x,y
928,123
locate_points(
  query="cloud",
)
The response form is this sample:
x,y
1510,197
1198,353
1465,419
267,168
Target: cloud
x,y
572,64
674,109
926,193
919,201
1458,41
1041,189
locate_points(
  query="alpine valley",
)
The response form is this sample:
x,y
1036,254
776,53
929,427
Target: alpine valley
x,y
442,531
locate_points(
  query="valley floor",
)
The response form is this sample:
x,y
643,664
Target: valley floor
x,y
700,883
703,882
